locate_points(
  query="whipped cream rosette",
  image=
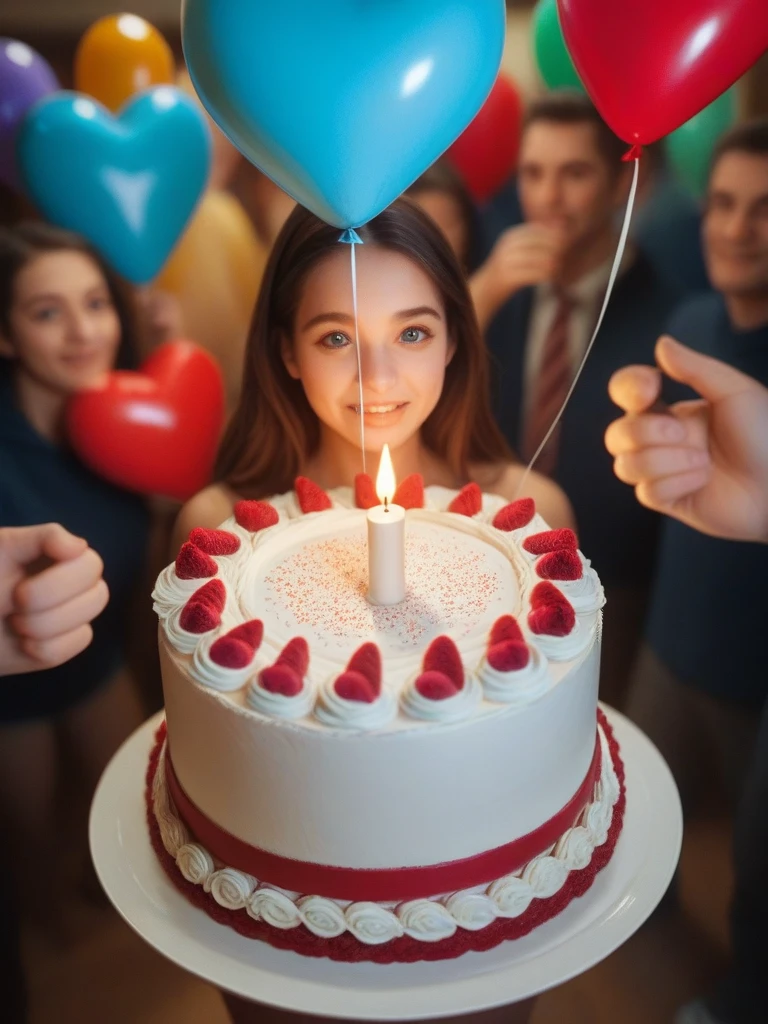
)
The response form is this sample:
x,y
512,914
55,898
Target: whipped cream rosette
x,y
282,689
356,699
512,671
442,692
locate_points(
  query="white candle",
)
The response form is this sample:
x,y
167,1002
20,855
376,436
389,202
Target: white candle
x,y
386,540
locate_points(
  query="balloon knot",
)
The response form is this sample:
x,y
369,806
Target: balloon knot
x,y
351,237
633,153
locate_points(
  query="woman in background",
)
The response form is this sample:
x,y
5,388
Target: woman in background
x,y
65,320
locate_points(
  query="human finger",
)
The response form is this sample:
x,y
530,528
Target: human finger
x,y
664,493
59,583
652,463
633,433
63,618
635,388
56,650
25,544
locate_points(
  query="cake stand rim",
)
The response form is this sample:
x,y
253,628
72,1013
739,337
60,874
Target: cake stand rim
x,y
620,900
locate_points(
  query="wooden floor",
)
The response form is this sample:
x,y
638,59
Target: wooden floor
x,y
105,974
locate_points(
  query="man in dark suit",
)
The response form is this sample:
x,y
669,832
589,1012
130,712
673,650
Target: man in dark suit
x,y
540,291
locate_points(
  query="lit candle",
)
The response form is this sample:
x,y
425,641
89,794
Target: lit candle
x,y
386,540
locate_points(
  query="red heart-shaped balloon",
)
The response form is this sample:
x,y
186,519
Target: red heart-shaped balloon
x,y
650,65
155,430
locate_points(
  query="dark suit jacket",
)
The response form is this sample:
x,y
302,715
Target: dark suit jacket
x,y
615,531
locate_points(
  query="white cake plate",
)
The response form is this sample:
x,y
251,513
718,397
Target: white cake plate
x,y
589,929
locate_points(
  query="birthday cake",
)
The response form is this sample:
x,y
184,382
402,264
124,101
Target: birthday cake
x,y
382,783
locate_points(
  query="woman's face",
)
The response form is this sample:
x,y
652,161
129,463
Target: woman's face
x,y
64,328
404,346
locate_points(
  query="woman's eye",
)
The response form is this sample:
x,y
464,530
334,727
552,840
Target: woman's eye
x,y
102,302
335,340
45,313
413,335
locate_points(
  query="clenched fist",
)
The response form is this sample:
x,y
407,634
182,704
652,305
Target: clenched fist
x,y
51,588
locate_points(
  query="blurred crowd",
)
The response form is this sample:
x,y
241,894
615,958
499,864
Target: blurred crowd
x,y
682,653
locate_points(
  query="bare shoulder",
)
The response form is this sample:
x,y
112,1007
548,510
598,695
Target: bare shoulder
x,y
551,502
209,508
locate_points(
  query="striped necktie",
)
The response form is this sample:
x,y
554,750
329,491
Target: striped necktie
x,y
551,386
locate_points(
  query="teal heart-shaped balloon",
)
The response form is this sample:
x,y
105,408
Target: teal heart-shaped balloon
x,y
130,183
343,103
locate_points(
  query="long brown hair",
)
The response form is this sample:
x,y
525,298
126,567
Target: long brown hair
x,y
24,242
274,430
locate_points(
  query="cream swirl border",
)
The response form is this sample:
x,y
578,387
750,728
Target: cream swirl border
x,y
428,920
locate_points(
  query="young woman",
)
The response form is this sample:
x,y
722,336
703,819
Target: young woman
x,y
424,384
64,321
424,372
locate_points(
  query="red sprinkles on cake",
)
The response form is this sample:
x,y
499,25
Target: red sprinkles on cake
x,y
516,515
310,497
468,502
194,564
448,590
507,649
365,492
214,542
564,564
286,676
443,671
410,492
255,515
551,613
551,540
361,680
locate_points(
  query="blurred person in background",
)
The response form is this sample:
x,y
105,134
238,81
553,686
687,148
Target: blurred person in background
x,y
442,195
700,682
701,662
705,465
541,288
65,320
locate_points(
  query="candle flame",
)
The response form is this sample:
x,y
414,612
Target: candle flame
x,y
385,478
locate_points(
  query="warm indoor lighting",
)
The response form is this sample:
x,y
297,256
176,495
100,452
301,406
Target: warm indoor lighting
x,y
385,478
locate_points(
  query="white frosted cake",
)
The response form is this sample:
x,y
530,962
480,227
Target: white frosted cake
x,y
386,783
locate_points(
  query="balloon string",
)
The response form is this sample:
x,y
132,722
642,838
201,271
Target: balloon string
x,y
352,238
611,281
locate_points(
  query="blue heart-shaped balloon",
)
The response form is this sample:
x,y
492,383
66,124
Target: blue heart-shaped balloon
x,y
129,183
343,103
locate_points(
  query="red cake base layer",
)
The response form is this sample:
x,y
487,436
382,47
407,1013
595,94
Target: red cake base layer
x,y
405,949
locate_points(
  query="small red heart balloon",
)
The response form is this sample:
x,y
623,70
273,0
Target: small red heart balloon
x,y
155,430
650,65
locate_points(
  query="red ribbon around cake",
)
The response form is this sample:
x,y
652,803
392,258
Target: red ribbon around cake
x,y
380,884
